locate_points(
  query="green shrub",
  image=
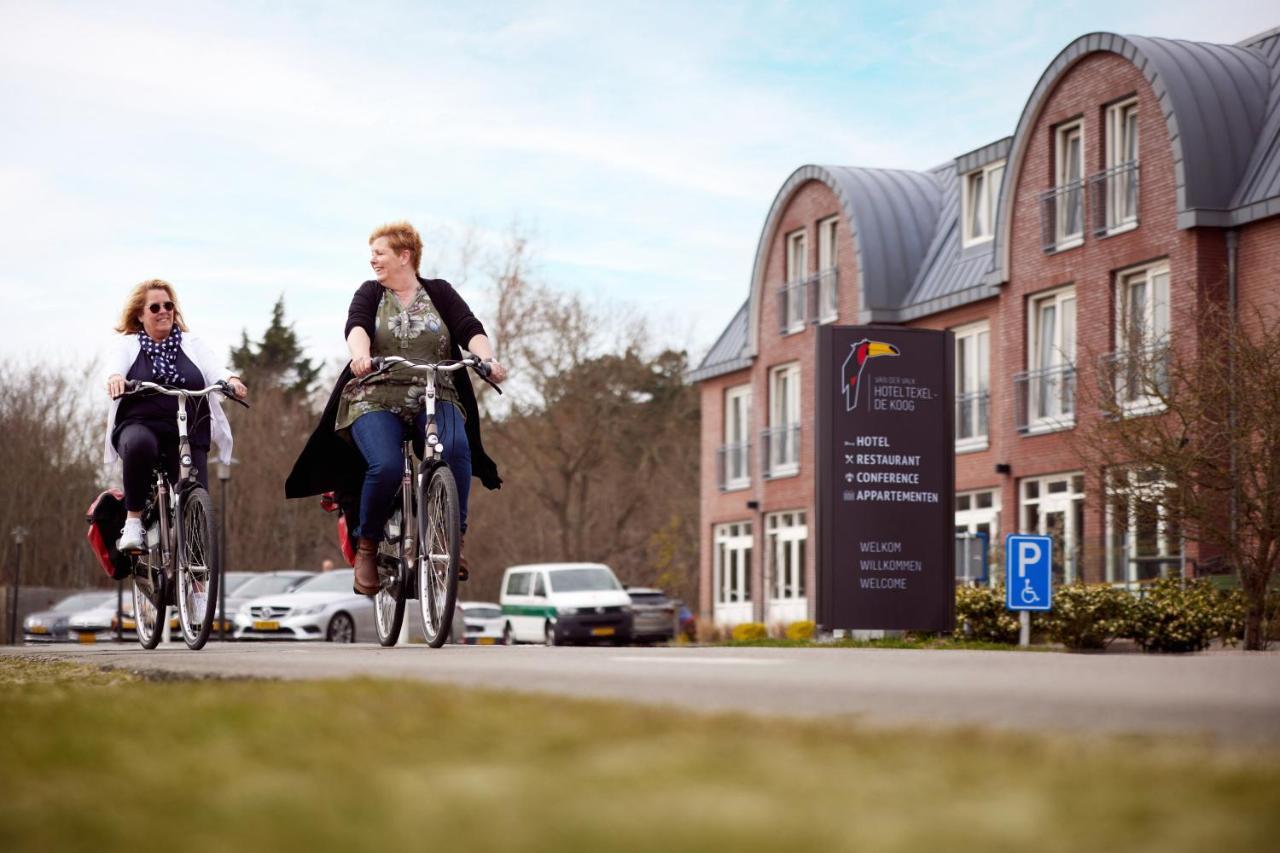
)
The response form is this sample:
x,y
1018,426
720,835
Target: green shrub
x,y
1177,615
801,632
749,632
981,615
1088,616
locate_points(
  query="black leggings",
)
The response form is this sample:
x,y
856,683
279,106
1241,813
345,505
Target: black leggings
x,y
140,447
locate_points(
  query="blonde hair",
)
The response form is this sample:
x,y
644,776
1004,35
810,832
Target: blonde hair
x,y
129,322
401,236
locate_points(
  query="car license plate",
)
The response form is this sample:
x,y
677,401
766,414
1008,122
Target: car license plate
x,y
266,625
88,639
602,632
39,629
485,641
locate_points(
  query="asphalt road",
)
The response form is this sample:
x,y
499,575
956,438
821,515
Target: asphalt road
x,y
1230,696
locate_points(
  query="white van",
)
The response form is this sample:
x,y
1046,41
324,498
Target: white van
x,y
557,603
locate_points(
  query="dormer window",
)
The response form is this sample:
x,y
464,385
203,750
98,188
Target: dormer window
x,y
981,194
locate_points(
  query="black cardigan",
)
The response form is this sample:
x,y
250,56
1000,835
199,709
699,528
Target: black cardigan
x,y
330,463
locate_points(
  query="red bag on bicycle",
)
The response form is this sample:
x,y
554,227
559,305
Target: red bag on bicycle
x,y
329,503
106,519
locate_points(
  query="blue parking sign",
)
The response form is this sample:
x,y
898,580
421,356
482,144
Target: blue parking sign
x,y
1028,572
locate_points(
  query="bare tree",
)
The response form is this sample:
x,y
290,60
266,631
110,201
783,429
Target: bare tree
x,y
1194,428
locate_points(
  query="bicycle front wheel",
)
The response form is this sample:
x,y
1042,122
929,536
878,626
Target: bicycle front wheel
x,y
197,569
388,601
439,541
149,611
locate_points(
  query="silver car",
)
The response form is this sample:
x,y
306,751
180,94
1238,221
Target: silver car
x,y
321,608
482,623
653,615
54,625
98,623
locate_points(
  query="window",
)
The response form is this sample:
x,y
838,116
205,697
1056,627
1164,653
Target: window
x,y
1054,506
1068,151
518,583
972,393
1139,363
978,516
1144,541
731,572
539,586
786,534
1120,180
735,455
1049,385
782,438
981,195
793,292
827,278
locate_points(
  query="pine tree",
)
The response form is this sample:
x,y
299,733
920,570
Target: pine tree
x,y
277,359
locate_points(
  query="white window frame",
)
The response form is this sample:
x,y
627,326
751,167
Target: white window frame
x,y
784,413
1058,353
1121,149
971,519
1154,278
737,432
797,269
979,205
731,546
1121,552
1065,176
828,254
786,543
1069,501
973,360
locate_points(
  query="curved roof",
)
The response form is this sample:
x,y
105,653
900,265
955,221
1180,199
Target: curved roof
x,y
1214,99
725,355
892,216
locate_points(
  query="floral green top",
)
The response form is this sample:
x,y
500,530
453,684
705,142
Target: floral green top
x,y
416,332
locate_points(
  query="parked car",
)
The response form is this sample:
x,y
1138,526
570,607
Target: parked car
x,y
323,607
98,623
242,586
653,615
482,622
54,625
557,603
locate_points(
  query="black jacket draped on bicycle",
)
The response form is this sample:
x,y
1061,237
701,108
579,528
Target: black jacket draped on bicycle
x,y
330,463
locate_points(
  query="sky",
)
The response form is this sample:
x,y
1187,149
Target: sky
x,y
244,151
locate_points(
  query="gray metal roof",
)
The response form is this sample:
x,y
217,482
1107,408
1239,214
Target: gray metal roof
x,y
1259,191
726,354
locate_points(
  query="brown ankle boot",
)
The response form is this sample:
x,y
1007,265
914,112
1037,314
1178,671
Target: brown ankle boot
x,y
366,579
463,574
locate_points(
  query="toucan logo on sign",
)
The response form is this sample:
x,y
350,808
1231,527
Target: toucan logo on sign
x,y
851,372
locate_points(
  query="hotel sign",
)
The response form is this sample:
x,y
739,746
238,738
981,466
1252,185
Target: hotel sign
x,y
886,478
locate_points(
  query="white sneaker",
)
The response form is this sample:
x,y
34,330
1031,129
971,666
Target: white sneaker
x,y
133,537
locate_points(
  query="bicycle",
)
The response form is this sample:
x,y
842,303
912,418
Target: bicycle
x,y
181,560
426,505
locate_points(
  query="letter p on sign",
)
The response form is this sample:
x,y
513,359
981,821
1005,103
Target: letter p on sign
x,y
1028,553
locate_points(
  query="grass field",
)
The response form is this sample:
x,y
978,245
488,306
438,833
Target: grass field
x,y
103,761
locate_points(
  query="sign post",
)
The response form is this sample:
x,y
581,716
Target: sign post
x,y
1028,574
886,479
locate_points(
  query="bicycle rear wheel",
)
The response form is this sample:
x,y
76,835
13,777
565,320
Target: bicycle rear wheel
x,y
439,541
388,601
149,611
197,569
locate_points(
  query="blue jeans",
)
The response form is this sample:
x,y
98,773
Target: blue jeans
x,y
379,434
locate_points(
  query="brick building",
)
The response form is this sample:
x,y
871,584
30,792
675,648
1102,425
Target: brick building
x,y
1142,176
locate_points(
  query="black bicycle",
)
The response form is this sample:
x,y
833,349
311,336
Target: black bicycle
x,y
418,557
180,562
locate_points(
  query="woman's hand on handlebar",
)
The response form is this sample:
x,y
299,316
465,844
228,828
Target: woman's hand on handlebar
x,y
362,365
497,372
115,385
238,387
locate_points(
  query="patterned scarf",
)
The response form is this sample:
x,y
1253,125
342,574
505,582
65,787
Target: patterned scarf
x,y
164,356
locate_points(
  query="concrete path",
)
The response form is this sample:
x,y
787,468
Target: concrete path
x,y
1229,696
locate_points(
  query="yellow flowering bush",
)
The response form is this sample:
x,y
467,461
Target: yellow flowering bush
x,y
749,632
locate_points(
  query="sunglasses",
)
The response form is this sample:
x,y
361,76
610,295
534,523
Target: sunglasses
x,y
155,307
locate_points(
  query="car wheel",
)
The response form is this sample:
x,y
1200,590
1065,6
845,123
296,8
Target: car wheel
x,y
508,638
342,629
550,635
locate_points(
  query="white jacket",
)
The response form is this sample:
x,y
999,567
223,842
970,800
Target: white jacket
x,y
122,357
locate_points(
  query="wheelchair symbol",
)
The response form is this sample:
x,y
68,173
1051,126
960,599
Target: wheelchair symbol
x,y
1029,595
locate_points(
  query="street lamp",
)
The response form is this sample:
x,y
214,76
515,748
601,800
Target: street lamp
x,y
224,477
19,536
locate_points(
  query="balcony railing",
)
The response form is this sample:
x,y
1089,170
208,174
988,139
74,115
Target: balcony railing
x,y
971,416
781,451
808,300
1113,198
1062,216
733,466
1137,378
1045,399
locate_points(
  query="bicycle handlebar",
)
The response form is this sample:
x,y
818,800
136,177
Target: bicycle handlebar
x,y
136,386
383,363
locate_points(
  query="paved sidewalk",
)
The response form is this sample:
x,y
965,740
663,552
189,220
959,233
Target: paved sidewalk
x,y
1229,696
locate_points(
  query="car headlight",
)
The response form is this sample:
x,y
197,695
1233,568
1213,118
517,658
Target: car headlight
x,y
243,612
309,611
33,622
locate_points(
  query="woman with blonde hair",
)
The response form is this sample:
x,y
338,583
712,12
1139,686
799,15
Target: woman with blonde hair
x,y
156,346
